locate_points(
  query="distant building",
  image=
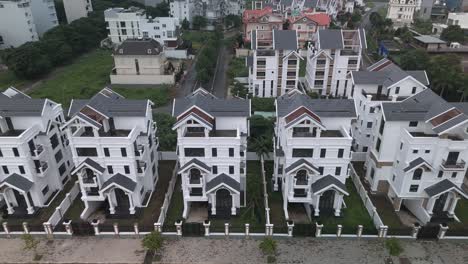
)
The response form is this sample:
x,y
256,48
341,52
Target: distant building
x,y
76,9
264,21
307,25
132,23
141,61
401,12
152,3
44,14
181,9
459,19
213,10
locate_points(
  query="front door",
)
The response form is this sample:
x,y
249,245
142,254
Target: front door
x,y
20,199
123,204
440,204
326,201
223,203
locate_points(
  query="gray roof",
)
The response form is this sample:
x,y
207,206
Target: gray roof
x,y
222,179
120,180
450,123
139,47
416,163
442,187
310,3
327,181
110,104
194,162
322,107
298,163
18,182
249,61
253,40
17,104
93,164
284,39
212,105
427,39
330,39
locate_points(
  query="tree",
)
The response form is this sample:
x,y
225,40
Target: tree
x,y
239,90
394,247
185,24
153,242
422,26
414,59
199,22
232,21
453,33
28,61
445,73
167,136
404,34
161,10
268,246
58,51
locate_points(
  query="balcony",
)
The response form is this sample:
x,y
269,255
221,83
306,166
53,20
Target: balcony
x,y
141,167
300,193
301,181
223,133
453,165
12,133
139,150
196,192
324,134
39,149
42,168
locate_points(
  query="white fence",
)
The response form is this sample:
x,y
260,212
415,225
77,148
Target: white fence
x,y
168,196
64,205
366,199
176,54
172,155
265,192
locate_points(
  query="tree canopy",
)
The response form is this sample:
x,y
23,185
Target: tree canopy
x,y
453,33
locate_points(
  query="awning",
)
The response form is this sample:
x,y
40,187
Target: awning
x,y
417,163
443,187
119,180
328,182
196,163
91,164
222,180
17,182
301,163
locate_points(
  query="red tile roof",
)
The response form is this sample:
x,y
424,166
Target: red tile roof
x,y
322,19
254,14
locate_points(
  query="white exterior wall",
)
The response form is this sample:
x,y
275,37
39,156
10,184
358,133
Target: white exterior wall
x,y
45,16
22,17
180,9
401,12
76,9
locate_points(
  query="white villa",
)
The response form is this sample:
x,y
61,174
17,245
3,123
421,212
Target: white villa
x,y
212,148
213,10
329,63
114,146
76,9
312,151
401,12
35,159
274,66
419,155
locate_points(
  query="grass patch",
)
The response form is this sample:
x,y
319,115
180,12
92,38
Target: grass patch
x,y
198,38
80,80
263,104
8,78
176,206
302,67
275,199
462,211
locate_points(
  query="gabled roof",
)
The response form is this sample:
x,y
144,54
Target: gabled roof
x,y
322,19
15,103
284,39
442,187
222,180
91,164
18,182
328,182
197,163
330,39
416,163
286,104
139,47
121,181
301,163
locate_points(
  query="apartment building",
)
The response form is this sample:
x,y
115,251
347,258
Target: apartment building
x,y
35,159
312,151
181,9
381,82
44,14
213,10
307,25
132,23
264,21
274,68
212,145
141,61
335,54
401,12
453,19
114,145
20,14
76,9
419,153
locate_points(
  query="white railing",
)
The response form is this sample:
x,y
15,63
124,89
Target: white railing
x,y
265,192
64,205
371,209
168,196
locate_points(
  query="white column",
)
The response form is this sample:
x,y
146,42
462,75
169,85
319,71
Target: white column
x,y
430,205
233,208
132,206
451,209
30,208
10,208
111,205
338,204
316,207
213,204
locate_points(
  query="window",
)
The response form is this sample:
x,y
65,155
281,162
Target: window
x,y
382,126
417,174
427,151
340,153
214,152
323,153
372,173
364,149
377,145
371,109
241,153
414,188
302,153
106,152
15,152
413,123
86,152
338,171
292,62
21,169
127,169
124,152
62,169
415,151
413,91
110,170
54,141
1,154
320,169
261,62
231,169
393,178
397,90
215,169
194,152
58,156
45,190
441,173
401,145
369,124
231,152
454,174
5,170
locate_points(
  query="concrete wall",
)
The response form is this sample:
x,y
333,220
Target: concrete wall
x,y
142,79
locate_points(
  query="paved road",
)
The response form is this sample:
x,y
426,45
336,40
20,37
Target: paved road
x,y
220,85
366,24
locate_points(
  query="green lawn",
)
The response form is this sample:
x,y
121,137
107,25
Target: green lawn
x,y
197,37
462,210
176,207
275,199
302,67
7,79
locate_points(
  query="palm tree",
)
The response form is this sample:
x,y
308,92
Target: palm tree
x,y
262,146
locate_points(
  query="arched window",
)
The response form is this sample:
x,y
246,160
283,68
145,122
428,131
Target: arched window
x,y
417,174
301,177
195,176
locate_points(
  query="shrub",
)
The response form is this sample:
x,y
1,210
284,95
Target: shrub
x,y
394,247
153,241
268,246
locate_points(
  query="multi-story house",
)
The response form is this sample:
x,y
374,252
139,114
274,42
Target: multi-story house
x,y
141,61
76,9
307,25
264,21
44,14
312,151
212,148
335,54
274,69
453,19
401,12
132,23
18,13
419,153
181,9
152,3
35,158
383,81
114,145
213,10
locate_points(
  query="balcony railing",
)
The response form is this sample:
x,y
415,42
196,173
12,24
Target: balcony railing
x,y
453,165
42,168
37,151
195,180
300,181
300,194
